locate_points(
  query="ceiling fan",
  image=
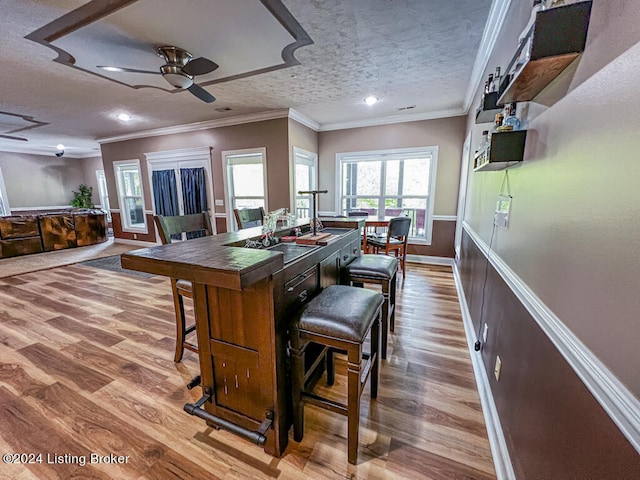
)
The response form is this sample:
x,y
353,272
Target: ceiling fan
x,y
11,137
179,70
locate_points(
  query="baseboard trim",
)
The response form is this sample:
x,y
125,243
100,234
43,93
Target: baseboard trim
x,y
619,403
428,260
126,241
497,442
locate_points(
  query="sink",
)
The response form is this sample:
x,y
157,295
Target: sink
x,y
292,251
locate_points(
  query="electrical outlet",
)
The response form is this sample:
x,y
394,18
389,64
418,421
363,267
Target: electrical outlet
x,y
135,236
485,333
498,367
219,202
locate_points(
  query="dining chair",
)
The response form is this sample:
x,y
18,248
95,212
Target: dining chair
x,y
395,241
249,217
170,228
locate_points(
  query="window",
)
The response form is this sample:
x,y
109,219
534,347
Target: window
x,y
129,184
305,165
103,193
245,179
391,183
5,210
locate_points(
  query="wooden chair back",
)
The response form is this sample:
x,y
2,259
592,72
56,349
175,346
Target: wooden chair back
x,y
169,226
249,217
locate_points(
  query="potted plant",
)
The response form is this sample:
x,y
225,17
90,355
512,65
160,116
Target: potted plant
x,y
82,198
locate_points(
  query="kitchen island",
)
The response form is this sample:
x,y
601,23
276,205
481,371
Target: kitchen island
x,y
243,300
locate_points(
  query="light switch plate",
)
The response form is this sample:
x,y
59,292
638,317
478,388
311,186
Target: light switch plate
x,y
498,368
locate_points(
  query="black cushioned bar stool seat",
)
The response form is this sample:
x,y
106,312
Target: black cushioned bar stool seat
x,y
381,270
340,317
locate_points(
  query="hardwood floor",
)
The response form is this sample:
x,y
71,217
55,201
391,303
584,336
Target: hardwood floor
x,y
86,367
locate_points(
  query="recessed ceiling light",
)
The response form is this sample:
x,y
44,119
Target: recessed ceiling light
x,y
371,100
111,69
124,117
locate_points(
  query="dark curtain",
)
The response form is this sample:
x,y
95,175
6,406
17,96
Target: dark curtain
x,y
165,192
194,194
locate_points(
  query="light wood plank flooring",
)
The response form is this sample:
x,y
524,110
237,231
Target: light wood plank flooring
x,y
86,367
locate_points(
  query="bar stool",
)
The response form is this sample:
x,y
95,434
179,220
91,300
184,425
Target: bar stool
x,y
381,270
339,317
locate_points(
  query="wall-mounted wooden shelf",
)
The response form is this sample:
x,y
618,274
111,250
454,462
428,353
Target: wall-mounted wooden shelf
x,y
558,37
488,108
505,149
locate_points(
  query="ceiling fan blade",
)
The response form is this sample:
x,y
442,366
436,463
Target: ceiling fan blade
x,y
11,137
199,66
127,70
201,93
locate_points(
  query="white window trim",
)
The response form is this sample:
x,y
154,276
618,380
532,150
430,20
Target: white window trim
x,y
3,196
227,189
177,159
107,208
373,155
119,189
311,159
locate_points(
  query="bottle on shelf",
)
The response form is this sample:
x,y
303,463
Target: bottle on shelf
x,y
489,88
511,120
484,141
496,124
496,80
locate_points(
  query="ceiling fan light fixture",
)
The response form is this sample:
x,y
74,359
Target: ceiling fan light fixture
x,y
124,117
179,80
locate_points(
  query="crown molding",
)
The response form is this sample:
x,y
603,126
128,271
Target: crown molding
x,y
193,127
306,121
497,15
407,117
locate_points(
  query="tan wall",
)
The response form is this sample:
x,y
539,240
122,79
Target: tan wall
x,y
446,133
42,181
574,237
271,134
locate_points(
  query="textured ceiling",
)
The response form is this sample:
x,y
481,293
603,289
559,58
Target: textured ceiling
x,y
409,53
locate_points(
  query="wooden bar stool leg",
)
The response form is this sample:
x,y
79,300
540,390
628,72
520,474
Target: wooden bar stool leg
x,y
385,318
297,386
331,369
180,325
354,356
375,351
393,281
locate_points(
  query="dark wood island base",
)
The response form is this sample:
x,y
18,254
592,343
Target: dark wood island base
x,y
243,300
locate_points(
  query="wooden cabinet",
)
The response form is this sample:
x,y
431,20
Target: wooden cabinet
x,y
505,149
557,38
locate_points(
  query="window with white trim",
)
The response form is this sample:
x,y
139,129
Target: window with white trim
x,y
5,209
245,179
305,168
103,193
391,183
130,195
